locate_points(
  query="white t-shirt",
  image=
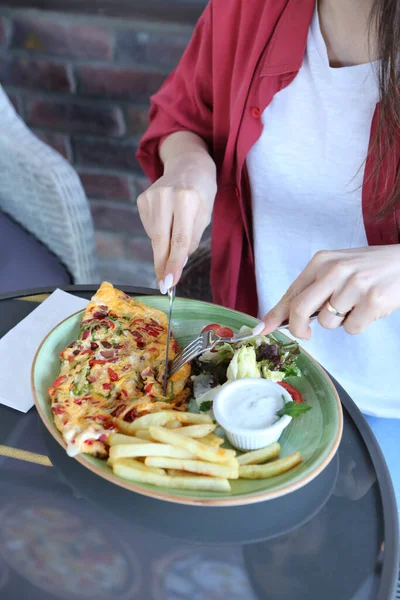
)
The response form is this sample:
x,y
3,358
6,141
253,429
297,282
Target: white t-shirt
x,y
306,173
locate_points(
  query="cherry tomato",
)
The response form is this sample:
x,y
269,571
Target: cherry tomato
x,y
219,330
296,395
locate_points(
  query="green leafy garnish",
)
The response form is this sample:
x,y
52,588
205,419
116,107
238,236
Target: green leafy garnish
x,y
292,409
225,351
80,391
205,406
292,371
119,331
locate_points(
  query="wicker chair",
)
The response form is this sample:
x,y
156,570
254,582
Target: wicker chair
x,y
42,192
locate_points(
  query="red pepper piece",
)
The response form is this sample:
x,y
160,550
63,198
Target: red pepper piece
x,y
87,352
113,375
153,332
148,388
118,410
59,381
107,386
96,361
102,418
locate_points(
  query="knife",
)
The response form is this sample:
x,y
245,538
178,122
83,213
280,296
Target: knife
x,y
171,295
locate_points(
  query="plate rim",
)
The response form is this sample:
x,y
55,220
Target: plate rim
x,y
157,493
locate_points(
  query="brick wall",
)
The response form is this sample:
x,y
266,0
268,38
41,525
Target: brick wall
x,y
83,84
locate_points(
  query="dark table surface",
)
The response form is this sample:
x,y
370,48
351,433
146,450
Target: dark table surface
x,y
65,533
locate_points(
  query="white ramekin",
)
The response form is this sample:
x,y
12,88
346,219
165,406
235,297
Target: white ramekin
x,y
244,438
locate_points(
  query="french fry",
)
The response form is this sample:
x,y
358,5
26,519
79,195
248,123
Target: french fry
x,y
196,431
257,457
119,438
159,419
193,418
135,450
138,465
194,466
173,425
277,467
144,434
214,484
175,473
202,451
213,440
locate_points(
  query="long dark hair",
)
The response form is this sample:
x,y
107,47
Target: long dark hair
x,y
384,26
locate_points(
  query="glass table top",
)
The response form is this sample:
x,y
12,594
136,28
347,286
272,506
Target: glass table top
x,y
66,533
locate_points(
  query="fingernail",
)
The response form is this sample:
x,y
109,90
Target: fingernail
x,y
186,262
168,281
162,287
259,328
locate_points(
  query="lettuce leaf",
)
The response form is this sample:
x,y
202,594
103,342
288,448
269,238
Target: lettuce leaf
x,y
243,364
279,357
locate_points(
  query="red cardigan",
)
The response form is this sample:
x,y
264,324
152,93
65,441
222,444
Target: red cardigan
x,y
241,54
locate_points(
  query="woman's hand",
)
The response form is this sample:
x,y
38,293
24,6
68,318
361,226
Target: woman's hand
x,y
175,211
363,284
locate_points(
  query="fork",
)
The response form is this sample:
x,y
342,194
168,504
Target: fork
x,y
207,340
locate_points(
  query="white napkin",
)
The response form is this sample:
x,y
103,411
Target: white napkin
x,y
18,347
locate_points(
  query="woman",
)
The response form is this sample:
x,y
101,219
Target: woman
x,y
291,110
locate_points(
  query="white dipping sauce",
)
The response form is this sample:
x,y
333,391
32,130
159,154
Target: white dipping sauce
x,y
249,407
246,409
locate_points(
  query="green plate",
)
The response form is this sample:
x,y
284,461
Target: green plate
x,y
316,434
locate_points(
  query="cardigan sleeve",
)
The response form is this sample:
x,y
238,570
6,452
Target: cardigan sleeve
x,y
184,101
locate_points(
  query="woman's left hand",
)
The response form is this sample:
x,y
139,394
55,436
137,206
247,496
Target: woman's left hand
x,y
362,283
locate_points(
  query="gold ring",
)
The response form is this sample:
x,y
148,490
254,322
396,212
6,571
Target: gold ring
x,y
333,310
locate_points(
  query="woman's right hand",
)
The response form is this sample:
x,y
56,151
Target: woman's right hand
x,y
175,211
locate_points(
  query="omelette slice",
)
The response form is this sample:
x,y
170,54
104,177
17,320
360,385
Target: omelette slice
x,y
114,370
